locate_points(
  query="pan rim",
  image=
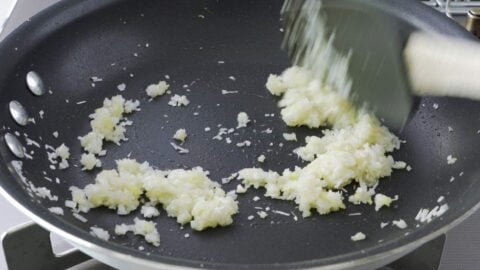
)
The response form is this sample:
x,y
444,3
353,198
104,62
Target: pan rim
x,y
183,263
83,239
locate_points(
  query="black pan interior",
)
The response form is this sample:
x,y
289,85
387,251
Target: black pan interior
x,y
74,41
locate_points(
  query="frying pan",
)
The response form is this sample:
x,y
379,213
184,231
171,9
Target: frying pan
x,y
72,41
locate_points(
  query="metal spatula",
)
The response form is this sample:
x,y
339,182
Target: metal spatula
x,y
360,50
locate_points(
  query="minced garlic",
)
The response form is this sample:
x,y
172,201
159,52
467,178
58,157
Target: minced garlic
x,y
188,195
180,135
355,150
155,90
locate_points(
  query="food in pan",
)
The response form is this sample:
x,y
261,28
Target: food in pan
x,y
188,195
145,228
89,161
356,149
180,135
242,120
155,90
63,152
108,123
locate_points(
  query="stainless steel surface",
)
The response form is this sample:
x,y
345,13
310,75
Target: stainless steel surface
x,y
35,83
14,145
5,10
32,242
453,7
462,248
473,21
18,113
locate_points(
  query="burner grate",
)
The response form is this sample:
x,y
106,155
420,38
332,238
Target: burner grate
x,y
453,7
29,246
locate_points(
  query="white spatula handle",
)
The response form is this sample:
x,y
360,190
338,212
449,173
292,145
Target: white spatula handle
x,y
443,66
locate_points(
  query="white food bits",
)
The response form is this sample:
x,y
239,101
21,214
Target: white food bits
x,y
358,236
261,158
226,92
381,201
242,120
399,165
180,135
179,149
256,199
177,101
362,195
251,217
246,143
92,142
400,223
221,132
149,211
32,142
440,199
262,214
232,78
281,213
55,134
240,189
435,106
80,217
275,85
70,204
426,215
41,113
56,210
107,124
63,152
290,136
451,160
121,87
227,180
96,79
121,189
267,131
89,161
122,229
384,224
131,106
148,230
450,129
155,90
100,233
207,129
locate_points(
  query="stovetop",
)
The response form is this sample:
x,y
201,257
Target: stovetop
x,y
459,249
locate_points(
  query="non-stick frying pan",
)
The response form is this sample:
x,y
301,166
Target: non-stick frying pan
x,y
73,41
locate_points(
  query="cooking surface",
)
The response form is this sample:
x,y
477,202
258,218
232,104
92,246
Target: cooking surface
x,y
455,241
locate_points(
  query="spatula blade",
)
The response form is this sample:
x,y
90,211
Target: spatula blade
x,y
364,35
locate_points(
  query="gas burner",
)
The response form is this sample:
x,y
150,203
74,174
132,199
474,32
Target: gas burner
x,y
465,12
453,7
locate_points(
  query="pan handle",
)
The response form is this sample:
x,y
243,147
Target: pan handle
x,y
28,245
443,66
